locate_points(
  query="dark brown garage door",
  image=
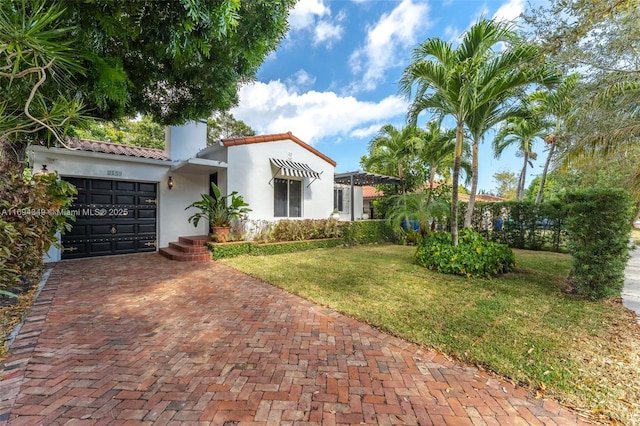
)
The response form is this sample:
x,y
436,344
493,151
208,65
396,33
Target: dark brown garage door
x,y
112,217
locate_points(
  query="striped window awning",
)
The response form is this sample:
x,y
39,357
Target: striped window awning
x,y
294,169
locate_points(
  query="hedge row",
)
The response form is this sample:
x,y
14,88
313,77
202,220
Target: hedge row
x,y
350,233
224,250
521,224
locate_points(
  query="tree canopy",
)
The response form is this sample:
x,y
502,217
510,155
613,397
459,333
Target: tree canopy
x,y
63,62
173,60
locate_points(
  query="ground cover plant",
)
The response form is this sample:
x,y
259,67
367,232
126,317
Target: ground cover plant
x,y
521,325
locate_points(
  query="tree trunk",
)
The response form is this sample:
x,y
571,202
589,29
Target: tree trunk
x,y
456,178
543,178
523,175
454,201
474,184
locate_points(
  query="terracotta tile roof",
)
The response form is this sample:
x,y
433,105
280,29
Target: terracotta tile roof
x,y
370,193
274,138
118,149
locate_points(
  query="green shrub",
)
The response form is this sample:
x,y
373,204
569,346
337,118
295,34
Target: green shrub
x,y
473,257
293,246
367,232
598,233
301,230
30,218
224,250
232,249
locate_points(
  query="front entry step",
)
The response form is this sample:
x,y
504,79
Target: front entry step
x,y
188,249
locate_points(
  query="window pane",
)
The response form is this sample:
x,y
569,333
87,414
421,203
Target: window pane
x,y
338,203
280,197
295,198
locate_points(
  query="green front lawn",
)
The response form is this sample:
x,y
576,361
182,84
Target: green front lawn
x,y
520,325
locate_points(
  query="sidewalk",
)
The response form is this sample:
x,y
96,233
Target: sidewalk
x,y
631,290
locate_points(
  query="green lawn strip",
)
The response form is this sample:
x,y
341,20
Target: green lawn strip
x,y
520,325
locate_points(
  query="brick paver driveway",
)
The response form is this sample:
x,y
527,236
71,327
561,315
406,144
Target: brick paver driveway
x,y
143,340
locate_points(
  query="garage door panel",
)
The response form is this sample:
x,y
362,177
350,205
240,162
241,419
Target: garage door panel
x,y
125,199
100,199
99,184
146,213
113,217
125,186
147,187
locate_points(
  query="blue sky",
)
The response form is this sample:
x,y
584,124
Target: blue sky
x,y
333,80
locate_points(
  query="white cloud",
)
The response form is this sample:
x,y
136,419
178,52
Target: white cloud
x,y
509,11
305,12
387,41
300,80
275,108
314,17
366,132
327,32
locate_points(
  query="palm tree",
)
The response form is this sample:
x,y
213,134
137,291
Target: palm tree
x,y
392,152
436,149
556,105
454,82
485,117
521,132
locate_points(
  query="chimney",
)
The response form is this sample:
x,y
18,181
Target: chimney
x,y
185,141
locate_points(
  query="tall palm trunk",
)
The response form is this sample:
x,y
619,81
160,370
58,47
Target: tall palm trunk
x,y
456,178
474,184
523,176
552,141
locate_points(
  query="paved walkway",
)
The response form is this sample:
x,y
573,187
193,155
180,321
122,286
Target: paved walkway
x,y
143,340
631,290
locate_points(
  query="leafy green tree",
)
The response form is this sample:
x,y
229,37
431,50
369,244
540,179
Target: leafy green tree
x,y
37,60
507,184
606,115
523,133
142,132
454,82
224,125
172,60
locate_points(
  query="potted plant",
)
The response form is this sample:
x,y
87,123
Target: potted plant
x,y
219,211
335,214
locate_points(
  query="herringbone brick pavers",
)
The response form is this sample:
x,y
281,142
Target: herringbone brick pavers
x,y
143,340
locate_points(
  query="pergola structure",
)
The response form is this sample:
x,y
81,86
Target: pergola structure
x,y
359,178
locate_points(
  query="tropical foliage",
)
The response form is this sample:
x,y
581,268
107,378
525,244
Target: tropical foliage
x,y
472,257
523,133
217,209
473,78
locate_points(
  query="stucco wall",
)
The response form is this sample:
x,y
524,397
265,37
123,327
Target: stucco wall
x,y
250,171
358,204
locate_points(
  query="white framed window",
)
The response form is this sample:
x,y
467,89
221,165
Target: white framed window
x,y
287,198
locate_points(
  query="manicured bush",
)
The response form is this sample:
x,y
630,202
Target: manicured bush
x,y
474,256
224,250
367,232
598,233
232,249
293,246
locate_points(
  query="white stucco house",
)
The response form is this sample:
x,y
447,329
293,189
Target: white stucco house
x,y
133,199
